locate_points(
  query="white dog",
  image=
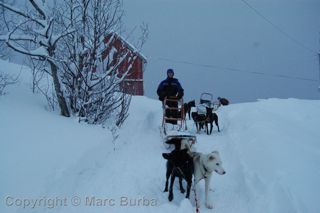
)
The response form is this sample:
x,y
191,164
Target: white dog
x,y
204,165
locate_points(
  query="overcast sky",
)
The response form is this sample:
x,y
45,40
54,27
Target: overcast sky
x,y
229,48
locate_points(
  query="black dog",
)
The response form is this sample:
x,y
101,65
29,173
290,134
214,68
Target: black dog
x,y
187,107
201,120
210,117
179,164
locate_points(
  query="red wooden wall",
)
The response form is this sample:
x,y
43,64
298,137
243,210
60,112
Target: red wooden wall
x,y
133,82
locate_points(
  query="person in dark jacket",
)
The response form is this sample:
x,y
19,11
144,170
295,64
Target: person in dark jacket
x,y
170,88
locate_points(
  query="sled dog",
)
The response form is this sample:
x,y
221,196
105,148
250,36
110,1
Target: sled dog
x,y
204,166
179,164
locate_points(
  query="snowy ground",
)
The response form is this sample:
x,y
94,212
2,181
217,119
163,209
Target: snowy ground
x,y
270,150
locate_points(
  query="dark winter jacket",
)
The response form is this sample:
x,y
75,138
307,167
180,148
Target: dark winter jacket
x,y
170,87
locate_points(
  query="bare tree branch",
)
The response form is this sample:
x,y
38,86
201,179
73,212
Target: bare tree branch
x,y
6,80
36,6
21,13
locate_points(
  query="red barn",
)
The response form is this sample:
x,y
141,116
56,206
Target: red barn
x,y
117,47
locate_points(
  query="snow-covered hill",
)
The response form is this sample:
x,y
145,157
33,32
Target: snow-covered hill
x,y
270,150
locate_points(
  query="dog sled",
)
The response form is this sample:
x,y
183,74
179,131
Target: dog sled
x,y
173,121
205,112
206,100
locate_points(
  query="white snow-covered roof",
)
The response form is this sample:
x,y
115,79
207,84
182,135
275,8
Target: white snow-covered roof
x,y
130,46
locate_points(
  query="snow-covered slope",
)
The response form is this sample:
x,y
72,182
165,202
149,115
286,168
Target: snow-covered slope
x,y
270,150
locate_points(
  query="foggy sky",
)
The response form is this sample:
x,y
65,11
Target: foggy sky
x,y
225,48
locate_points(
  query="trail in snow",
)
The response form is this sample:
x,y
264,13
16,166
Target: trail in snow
x,y
269,148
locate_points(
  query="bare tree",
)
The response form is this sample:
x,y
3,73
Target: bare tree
x,y
4,53
35,25
92,75
69,40
38,71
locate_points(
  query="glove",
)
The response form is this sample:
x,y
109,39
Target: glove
x,y
180,94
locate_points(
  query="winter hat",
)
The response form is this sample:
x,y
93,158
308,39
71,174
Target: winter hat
x,y
170,71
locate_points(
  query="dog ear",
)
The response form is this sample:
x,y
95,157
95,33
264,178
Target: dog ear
x,y
170,141
174,141
209,109
166,156
215,152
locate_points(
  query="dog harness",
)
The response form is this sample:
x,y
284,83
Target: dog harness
x,y
204,170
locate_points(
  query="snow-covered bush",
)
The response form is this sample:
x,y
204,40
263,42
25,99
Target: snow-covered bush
x,y
6,80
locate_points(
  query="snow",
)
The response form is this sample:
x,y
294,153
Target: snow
x,y
270,150
41,51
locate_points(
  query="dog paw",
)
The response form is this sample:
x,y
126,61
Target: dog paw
x,y
182,190
165,190
170,197
209,206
